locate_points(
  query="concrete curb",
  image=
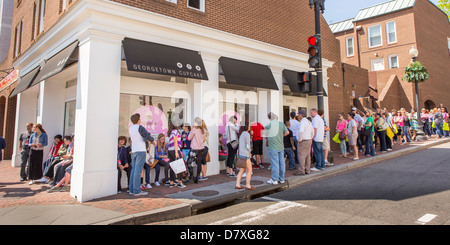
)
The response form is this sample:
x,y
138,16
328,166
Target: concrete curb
x,y
191,208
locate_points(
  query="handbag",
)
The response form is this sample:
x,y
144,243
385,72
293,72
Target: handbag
x,y
234,143
342,135
178,166
336,139
241,162
367,131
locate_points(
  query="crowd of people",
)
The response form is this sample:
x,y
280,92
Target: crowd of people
x,y
383,128
298,141
56,169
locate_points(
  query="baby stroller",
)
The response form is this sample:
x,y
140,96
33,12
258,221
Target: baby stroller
x,y
193,172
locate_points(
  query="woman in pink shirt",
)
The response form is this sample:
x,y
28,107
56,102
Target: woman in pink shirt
x,y
197,137
398,120
341,128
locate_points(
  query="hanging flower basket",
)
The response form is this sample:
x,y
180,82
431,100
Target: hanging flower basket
x,y
415,72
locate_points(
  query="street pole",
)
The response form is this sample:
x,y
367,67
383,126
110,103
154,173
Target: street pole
x,y
420,134
317,10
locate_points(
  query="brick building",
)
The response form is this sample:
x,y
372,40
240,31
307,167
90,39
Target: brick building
x,y
379,39
93,63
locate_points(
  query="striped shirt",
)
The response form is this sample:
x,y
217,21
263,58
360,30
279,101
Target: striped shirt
x,y
171,145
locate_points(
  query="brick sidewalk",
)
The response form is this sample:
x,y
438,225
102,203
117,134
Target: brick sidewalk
x,y
14,193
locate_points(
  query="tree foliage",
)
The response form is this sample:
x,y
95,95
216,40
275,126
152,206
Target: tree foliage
x,y
445,6
416,72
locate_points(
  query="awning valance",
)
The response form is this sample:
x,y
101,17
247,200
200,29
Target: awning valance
x,y
142,56
245,73
25,81
57,63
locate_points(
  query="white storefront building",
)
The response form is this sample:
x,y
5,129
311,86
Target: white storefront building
x,y
76,79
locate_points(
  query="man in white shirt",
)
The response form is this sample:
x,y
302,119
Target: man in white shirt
x,y
360,122
295,124
305,134
319,131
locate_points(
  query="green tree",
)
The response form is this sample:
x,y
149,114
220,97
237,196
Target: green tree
x,y
445,6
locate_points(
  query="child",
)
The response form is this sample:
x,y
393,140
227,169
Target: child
x,y
161,157
122,161
151,163
185,143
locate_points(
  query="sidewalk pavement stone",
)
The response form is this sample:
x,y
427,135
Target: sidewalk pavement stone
x,y
21,203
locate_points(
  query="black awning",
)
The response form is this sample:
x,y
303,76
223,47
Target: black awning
x,y
57,63
240,72
25,81
293,80
142,56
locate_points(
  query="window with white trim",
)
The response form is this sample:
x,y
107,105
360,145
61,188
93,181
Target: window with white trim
x,y
375,36
38,18
42,16
377,64
393,61
350,46
391,32
197,4
448,40
18,39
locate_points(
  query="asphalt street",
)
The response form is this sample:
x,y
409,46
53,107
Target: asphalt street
x,y
409,190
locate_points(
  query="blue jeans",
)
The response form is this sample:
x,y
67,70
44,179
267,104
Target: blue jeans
x,y
295,151
290,153
319,155
148,170
439,130
370,148
277,165
405,131
137,161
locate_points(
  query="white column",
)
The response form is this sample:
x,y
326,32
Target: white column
x,y
94,173
206,106
51,102
276,96
25,112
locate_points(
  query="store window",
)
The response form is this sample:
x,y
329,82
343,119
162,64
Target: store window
x,y
156,112
69,117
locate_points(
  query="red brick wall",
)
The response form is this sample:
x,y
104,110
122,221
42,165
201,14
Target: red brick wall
x,y
432,31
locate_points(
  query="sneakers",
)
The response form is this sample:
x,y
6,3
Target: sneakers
x,y
315,169
142,193
181,185
64,189
202,178
53,189
157,183
148,186
272,182
43,180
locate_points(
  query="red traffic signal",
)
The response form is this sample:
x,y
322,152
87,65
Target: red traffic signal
x,y
314,51
312,40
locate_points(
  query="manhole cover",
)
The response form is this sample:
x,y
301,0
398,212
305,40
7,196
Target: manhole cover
x,y
206,193
253,182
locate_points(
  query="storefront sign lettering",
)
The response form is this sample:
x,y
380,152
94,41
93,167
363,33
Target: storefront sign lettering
x,y
8,80
169,71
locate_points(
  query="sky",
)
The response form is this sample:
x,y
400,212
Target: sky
x,y
338,10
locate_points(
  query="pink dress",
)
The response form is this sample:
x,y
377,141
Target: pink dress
x,y
342,126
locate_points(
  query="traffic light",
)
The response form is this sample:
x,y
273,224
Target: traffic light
x,y
314,51
305,82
